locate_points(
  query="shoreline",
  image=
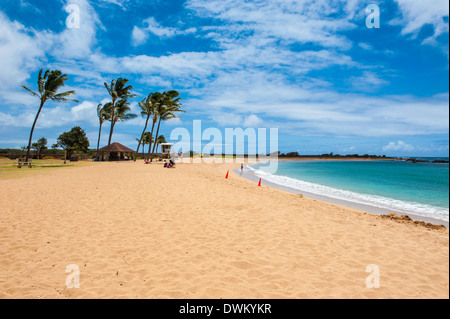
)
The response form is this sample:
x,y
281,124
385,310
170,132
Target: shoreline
x,y
359,206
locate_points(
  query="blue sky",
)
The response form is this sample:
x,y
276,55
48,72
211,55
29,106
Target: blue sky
x,y
312,69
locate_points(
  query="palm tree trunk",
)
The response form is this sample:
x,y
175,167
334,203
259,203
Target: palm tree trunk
x,y
157,132
98,143
110,135
151,139
109,141
142,137
112,127
32,130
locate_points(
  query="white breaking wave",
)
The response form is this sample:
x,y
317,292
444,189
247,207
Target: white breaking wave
x,y
391,204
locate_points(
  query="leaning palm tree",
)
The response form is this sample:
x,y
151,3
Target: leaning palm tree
x,y
157,100
145,141
166,110
121,112
148,106
48,86
143,150
117,90
103,116
148,139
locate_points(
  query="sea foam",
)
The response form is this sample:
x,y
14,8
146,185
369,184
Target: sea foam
x,y
364,199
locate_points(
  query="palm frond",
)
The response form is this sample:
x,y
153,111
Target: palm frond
x,y
122,111
107,88
100,113
30,91
63,97
169,116
46,74
55,81
41,82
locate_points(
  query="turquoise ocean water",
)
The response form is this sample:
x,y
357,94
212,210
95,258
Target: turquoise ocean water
x,y
416,188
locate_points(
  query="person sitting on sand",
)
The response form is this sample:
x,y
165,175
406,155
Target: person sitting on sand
x,y
165,164
145,161
172,163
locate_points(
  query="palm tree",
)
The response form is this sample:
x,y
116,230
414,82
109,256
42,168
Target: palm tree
x,y
144,141
137,140
160,140
148,139
121,114
148,106
48,86
157,100
117,90
103,116
166,110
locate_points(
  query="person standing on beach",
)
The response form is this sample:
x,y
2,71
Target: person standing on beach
x,y
242,168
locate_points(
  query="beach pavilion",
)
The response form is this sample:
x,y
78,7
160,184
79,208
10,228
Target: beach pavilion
x,y
118,152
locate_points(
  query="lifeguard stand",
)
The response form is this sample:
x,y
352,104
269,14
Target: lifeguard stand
x,y
165,148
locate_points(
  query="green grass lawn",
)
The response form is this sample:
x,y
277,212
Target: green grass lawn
x,y
9,169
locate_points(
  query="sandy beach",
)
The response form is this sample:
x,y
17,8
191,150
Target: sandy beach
x,y
142,231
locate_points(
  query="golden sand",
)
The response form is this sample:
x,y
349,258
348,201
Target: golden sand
x,y
142,231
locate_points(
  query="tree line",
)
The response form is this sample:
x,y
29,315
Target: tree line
x,y
155,108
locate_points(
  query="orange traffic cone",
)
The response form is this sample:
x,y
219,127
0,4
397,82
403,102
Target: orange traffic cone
x,y
259,184
226,177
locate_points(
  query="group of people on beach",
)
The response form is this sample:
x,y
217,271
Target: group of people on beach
x,y
170,164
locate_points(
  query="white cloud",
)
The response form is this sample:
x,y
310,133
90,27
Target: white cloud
x,y
253,121
21,120
119,3
76,43
140,35
314,110
226,119
174,122
365,46
399,146
158,81
368,81
24,50
85,112
291,21
20,53
58,116
163,32
418,13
